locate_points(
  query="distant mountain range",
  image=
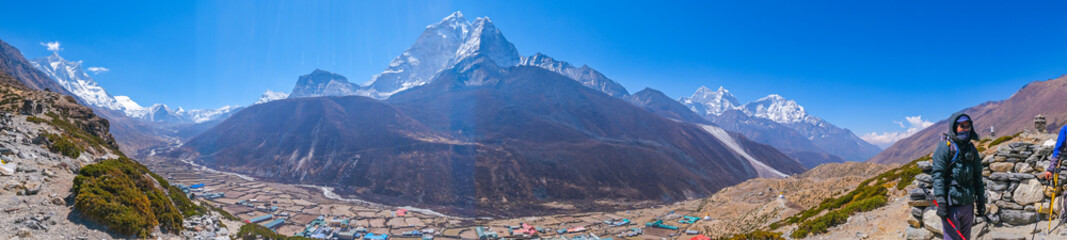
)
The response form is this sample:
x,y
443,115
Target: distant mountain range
x,y
73,78
463,91
490,133
1008,116
488,141
782,123
771,120
16,66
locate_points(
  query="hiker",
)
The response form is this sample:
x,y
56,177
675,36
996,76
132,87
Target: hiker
x,y
957,175
1054,160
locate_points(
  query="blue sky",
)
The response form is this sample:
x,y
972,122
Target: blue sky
x,y
861,65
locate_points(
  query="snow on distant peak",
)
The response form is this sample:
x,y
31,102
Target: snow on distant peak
x,y
487,40
204,115
72,77
779,109
128,105
707,102
271,96
586,75
417,65
441,46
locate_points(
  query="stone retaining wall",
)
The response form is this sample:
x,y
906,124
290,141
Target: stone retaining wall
x,y
1013,188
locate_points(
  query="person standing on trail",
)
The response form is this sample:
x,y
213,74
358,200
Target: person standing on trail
x,y
1054,160
957,175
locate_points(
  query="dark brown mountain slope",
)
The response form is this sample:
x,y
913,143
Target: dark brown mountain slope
x,y
1008,116
480,140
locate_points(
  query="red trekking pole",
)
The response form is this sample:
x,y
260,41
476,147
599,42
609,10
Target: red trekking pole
x,y
950,223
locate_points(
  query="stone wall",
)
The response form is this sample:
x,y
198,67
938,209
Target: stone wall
x,y
1013,188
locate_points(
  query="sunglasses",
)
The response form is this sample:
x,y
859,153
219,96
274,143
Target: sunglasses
x,y
965,125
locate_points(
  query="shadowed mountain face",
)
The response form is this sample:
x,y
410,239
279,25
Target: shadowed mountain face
x,y
481,140
1008,117
356,144
659,103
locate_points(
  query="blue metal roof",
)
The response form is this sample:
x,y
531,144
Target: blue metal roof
x,y
275,223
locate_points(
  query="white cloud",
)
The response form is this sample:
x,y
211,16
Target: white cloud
x,y
52,46
885,139
98,70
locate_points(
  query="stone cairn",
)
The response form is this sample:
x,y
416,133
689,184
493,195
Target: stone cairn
x,y
1039,123
1014,191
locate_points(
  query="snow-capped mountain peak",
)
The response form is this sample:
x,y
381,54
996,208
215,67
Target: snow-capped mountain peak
x,y
204,115
708,102
129,106
72,77
322,83
487,40
455,21
779,109
586,75
271,96
417,65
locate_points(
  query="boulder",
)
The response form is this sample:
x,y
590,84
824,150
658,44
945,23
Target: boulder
x,y
1041,165
920,203
917,212
999,158
992,196
998,186
1022,176
1043,207
925,166
1000,176
1017,217
1006,236
1023,167
30,188
917,194
8,169
915,223
917,234
924,178
1008,205
1030,191
932,222
1001,166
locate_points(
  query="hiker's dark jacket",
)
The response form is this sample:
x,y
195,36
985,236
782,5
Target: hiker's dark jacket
x,y
959,181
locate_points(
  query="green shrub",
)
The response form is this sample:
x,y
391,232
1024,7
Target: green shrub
x,y
756,235
77,133
118,194
63,145
252,231
224,213
187,207
35,119
833,218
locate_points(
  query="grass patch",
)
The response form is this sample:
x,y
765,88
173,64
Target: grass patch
x,y
76,132
756,235
1000,140
224,213
252,231
868,195
63,145
119,194
35,119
